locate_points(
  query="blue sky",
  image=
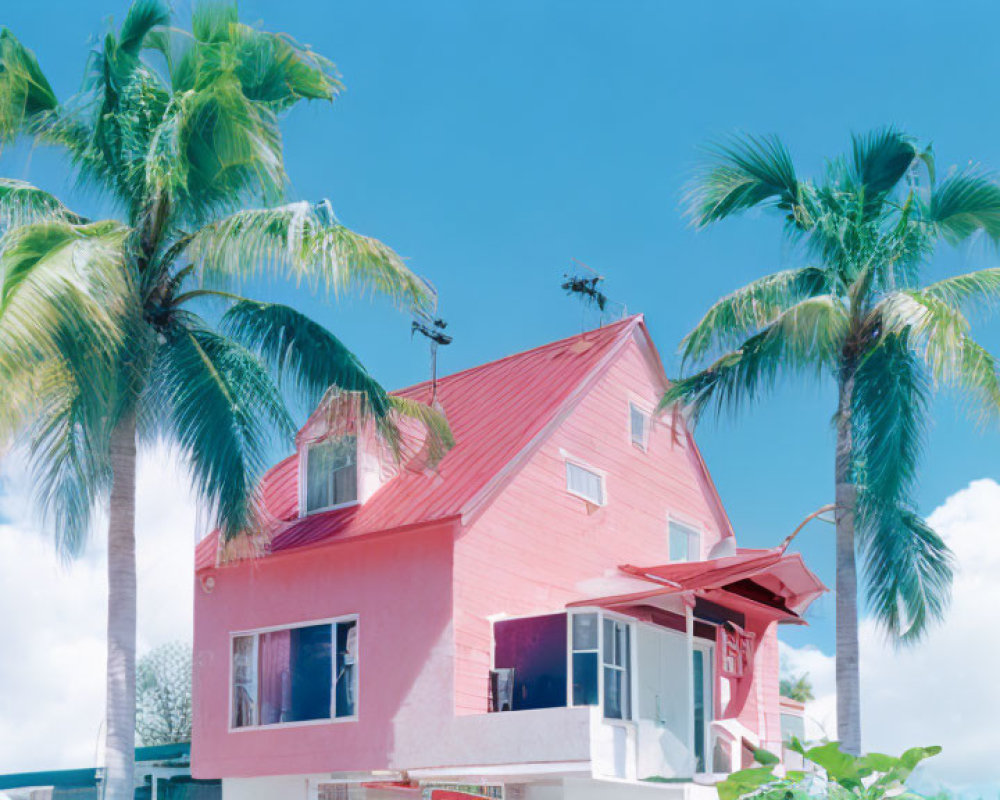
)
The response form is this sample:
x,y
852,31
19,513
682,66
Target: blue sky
x,y
493,142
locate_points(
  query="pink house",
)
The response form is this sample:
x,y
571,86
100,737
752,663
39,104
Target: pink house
x,y
558,610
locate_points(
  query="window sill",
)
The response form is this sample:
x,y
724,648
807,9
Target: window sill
x,y
588,500
306,723
348,504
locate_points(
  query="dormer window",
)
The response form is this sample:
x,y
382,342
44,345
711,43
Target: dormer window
x,y
331,474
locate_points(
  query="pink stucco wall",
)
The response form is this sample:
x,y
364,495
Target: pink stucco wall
x,y
536,543
400,586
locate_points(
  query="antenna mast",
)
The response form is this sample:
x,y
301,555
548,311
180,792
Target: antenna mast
x,y
431,328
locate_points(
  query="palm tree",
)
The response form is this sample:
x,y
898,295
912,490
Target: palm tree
x,y
102,347
797,688
857,312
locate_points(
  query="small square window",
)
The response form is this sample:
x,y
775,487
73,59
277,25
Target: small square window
x,y
585,483
639,424
331,473
685,542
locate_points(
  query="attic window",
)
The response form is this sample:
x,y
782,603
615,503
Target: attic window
x,y
639,425
331,474
585,483
685,542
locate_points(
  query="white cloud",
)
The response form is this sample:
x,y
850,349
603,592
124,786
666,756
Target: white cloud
x,y
52,643
945,690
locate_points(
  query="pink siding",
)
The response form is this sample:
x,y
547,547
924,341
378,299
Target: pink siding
x,y
400,586
531,548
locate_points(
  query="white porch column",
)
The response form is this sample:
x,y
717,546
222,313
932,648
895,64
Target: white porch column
x,y
689,667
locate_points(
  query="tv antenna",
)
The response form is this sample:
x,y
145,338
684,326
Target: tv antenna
x,y
432,329
586,285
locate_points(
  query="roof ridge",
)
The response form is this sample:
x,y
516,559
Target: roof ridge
x,y
623,323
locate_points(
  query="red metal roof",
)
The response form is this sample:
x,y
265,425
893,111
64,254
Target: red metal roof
x,y
494,410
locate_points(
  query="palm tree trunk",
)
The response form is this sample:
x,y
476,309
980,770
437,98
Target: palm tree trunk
x,y
120,736
848,674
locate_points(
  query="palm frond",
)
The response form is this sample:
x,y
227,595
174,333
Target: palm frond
x,y
216,400
908,569
142,17
965,202
67,445
981,287
21,203
890,404
934,327
743,172
438,439
25,93
750,308
305,243
318,366
304,355
879,160
806,337
63,293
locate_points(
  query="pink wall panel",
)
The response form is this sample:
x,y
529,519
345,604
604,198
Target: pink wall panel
x,y
400,586
529,551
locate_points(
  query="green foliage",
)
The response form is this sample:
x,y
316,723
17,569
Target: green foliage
x,y
163,695
98,320
858,313
797,688
868,777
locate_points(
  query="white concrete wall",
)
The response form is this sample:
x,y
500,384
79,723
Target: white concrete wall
x,y
285,787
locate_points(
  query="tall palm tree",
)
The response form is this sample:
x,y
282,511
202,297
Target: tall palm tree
x,y
102,347
857,312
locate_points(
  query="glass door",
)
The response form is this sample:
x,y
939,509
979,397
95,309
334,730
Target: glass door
x,y
702,704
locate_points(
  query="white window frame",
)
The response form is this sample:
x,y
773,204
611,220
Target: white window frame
x,y
602,614
697,530
646,412
304,479
333,718
599,473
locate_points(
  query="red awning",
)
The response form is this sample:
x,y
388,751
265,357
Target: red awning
x,y
789,586
783,574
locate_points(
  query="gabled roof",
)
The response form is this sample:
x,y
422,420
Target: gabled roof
x,y
496,412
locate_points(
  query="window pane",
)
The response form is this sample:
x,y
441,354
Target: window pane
x,y
640,423
275,677
244,682
345,484
319,491
685,543
609,641
585,483
347,668
312,672
613,693
698,666
585,679
331,473
585,631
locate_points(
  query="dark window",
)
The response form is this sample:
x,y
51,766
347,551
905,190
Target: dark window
x,y
535,648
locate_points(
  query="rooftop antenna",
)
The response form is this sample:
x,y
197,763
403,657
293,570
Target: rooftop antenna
x,y
586,285
431,328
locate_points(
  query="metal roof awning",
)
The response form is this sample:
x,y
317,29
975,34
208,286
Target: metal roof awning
x,y
770,579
